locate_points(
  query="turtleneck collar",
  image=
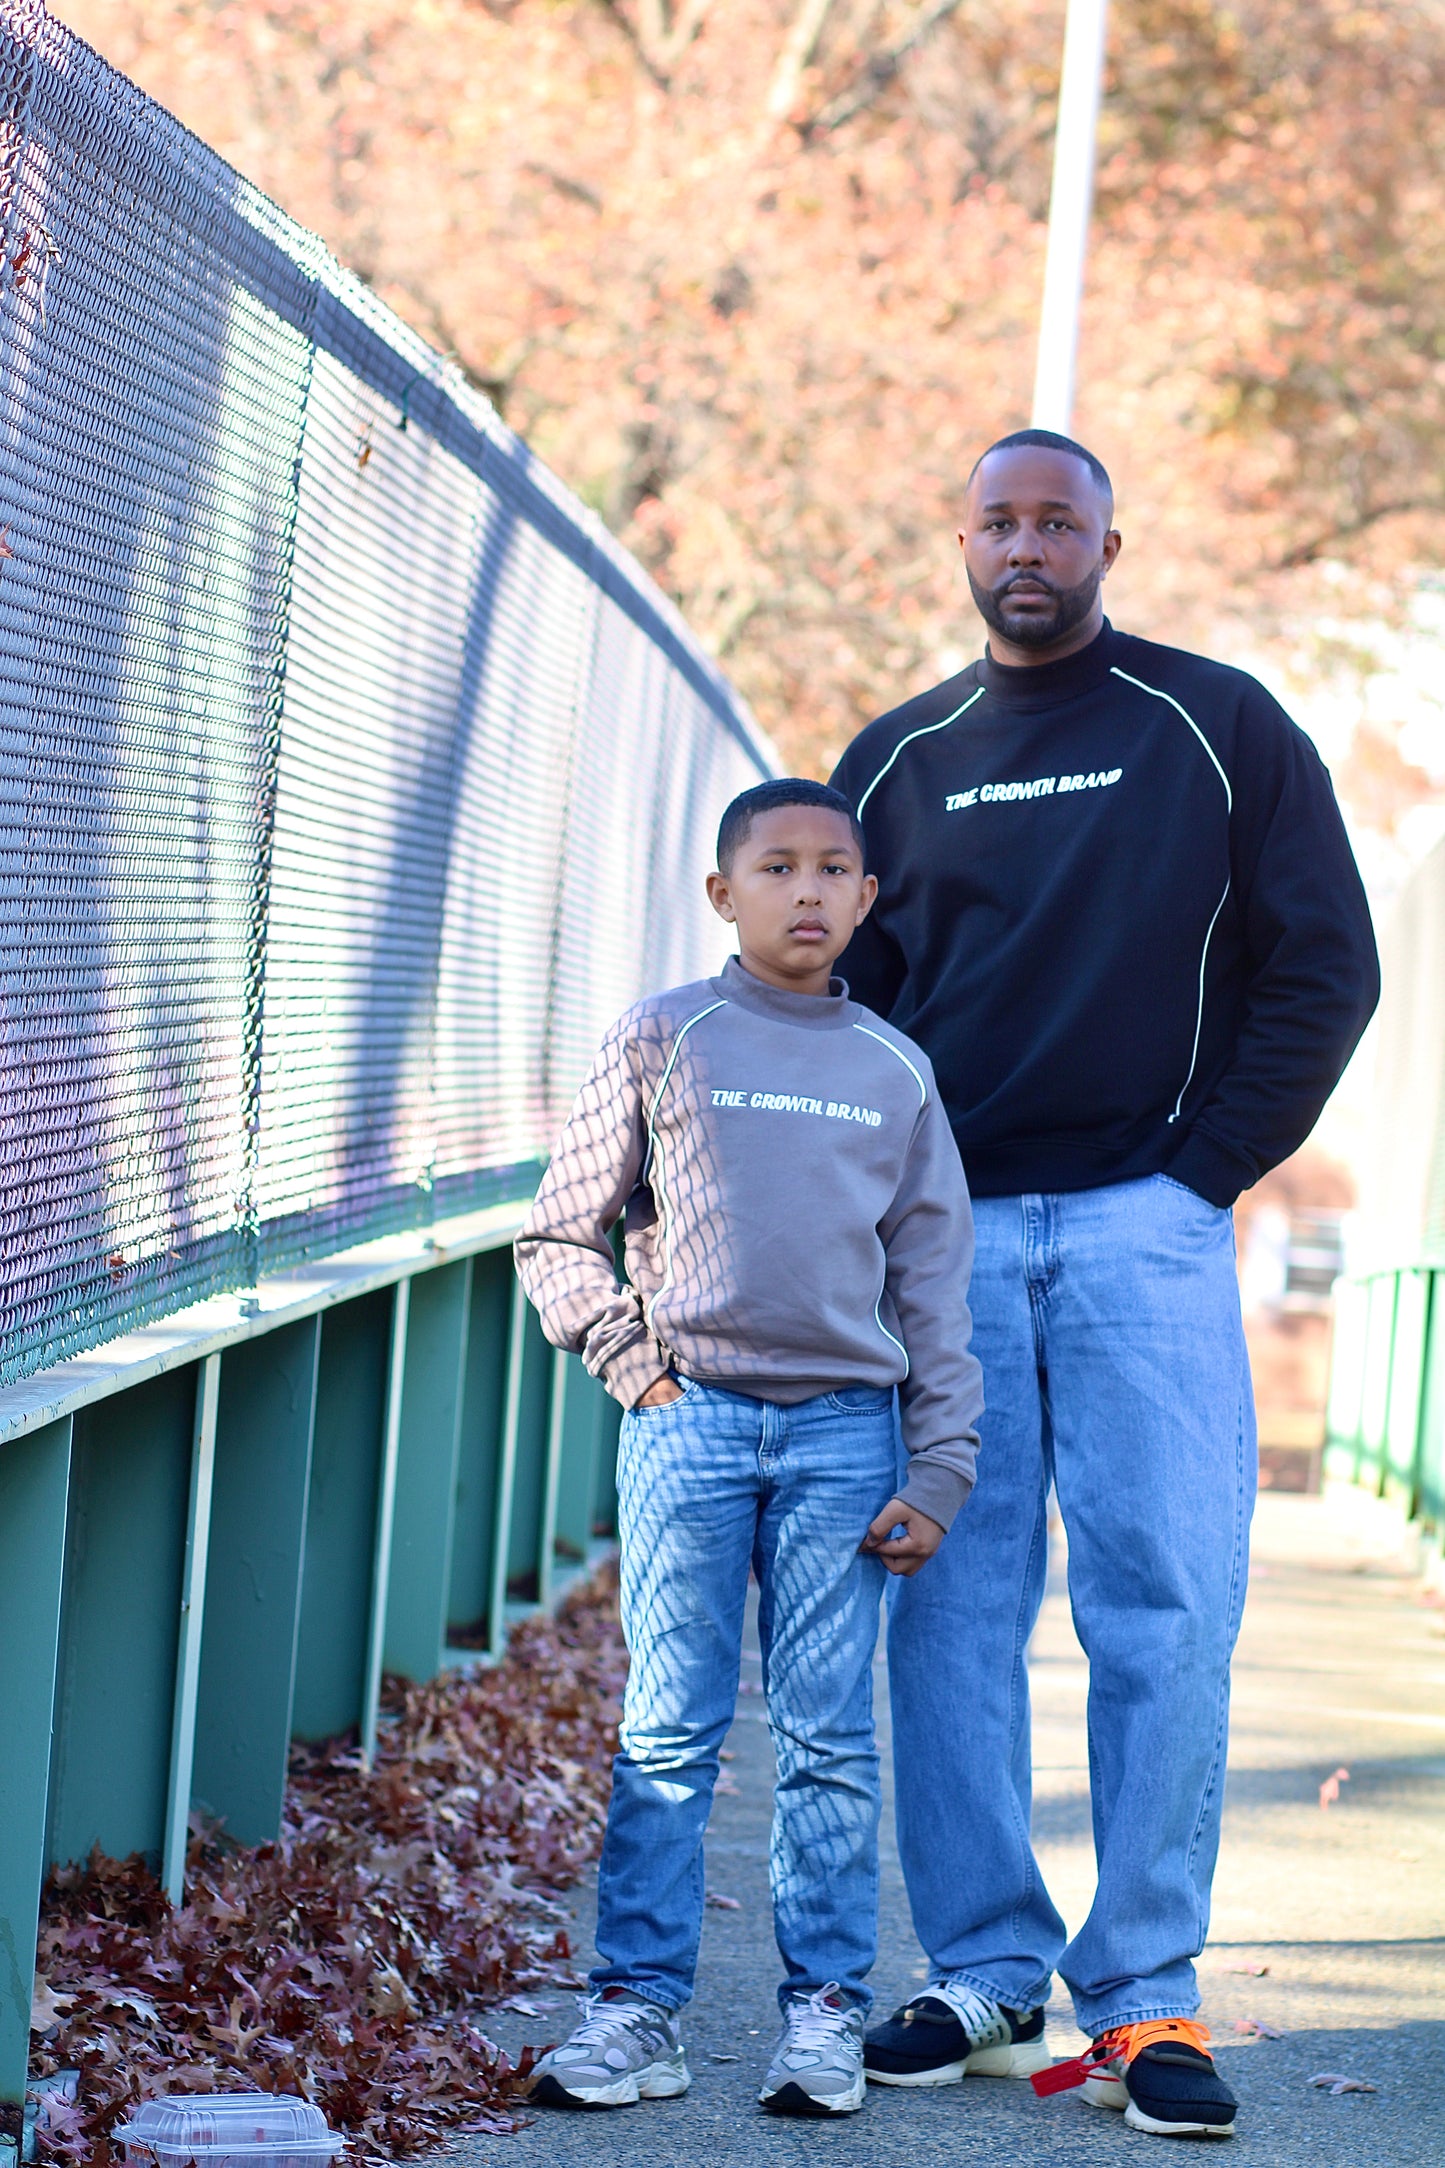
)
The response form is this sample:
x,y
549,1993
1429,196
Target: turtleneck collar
x,y
815,1012
1050,684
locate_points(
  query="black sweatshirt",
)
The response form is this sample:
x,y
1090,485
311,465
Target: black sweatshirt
x,y
1118,910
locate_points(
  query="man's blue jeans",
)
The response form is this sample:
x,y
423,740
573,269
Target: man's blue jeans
x,y
707,1486
1107,1322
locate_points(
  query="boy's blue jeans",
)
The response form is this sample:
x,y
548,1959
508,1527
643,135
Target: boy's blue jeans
x,y
707,1486
1107,1322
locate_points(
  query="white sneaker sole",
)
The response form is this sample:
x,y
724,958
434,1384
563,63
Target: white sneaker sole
x,y
1020,2060
1106,2093
795,2099
660,2081
1138,2120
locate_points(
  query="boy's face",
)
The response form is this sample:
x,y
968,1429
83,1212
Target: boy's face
x,y
796,890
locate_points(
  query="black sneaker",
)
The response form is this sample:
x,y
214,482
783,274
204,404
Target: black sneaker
x,y
951,2032
1166,2083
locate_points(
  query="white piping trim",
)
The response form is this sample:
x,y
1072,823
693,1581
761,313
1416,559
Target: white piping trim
x,y
924,733
1209,936
666,1280
1199,734
1199,1012
907,1366
898,1055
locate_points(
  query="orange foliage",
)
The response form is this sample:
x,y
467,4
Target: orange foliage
x,y
759,277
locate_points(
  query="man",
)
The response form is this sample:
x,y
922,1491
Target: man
x,y
1118,910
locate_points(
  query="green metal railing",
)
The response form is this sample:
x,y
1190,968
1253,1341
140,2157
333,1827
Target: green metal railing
x,y
1385,1425
217,1533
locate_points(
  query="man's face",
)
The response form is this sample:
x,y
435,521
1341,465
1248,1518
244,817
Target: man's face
x,y
1037,542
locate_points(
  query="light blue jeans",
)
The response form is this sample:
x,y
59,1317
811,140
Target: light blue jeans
x,y
1107,1322
706,1487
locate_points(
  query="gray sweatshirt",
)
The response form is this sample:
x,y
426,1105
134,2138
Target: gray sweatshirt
x,y
796,1215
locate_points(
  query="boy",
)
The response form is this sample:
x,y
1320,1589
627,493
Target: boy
x,y
798,1245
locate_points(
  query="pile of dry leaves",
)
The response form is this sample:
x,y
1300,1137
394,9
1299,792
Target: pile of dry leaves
x,y
351,1961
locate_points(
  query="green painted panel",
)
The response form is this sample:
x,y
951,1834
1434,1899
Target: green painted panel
x,y
426,1473
1431,1506
583,1406
479,1444
604,1500
1407,1381
529,1474
341,1516
1375,1390
130,1487
34,1481
253,1577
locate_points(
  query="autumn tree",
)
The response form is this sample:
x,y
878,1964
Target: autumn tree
x,y
760,277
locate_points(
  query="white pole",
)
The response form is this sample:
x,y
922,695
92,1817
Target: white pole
x,y
1069,206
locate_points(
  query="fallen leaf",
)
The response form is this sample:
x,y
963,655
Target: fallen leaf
x,y
720,1903
1253,1972
1330,1789
1257,2029
47,2008
724,2058
1331,2082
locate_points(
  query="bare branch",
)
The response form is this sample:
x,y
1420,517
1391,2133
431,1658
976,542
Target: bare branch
x,y
798,49
880,69
1308,553
615,13
686,25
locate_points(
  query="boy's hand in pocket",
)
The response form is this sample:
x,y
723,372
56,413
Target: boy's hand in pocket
x,y
660,1393
916,1543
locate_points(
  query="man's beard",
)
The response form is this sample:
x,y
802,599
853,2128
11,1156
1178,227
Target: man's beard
x,y
1071,606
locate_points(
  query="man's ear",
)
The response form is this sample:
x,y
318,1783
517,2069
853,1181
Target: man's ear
x,y
719,895
868,898
1113,543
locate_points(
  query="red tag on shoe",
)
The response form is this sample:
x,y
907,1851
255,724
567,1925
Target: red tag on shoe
x,y
1063,2077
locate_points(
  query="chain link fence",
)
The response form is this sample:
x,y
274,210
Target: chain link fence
x,y
351,776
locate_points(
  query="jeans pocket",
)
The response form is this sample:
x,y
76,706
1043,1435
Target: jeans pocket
x,y
1192,1194
861,1399
665,1407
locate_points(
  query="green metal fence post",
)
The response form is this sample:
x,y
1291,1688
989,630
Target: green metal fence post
x,y
253,1577
484,1399
385,1515
428,1436
34,1488
1375,1392
532,1367
1431,1493
583,1401
507,1472
130,1486
188,1652
336,1591
1399,1461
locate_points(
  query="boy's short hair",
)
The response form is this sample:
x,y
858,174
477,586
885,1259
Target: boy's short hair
x,y
737,822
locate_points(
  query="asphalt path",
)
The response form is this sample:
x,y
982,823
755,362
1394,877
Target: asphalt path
x,y
1328,1928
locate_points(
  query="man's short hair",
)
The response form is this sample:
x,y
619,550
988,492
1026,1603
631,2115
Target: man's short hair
x,y
1049,440
737,822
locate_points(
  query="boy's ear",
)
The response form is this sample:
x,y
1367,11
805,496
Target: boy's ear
x,y
719,895
868,898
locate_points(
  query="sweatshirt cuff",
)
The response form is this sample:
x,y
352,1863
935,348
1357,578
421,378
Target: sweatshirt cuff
x,y
935,1490
1216,1173
629,1372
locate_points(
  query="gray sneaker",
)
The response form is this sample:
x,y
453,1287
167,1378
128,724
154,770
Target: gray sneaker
x,y
817,2066
623,2051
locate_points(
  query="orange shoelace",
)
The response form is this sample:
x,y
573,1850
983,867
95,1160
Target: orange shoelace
x,y
1121,2043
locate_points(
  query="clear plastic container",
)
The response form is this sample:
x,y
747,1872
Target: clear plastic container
x,y
246,2130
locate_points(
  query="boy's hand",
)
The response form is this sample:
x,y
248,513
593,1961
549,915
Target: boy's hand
x,y
906,1553
659,1393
